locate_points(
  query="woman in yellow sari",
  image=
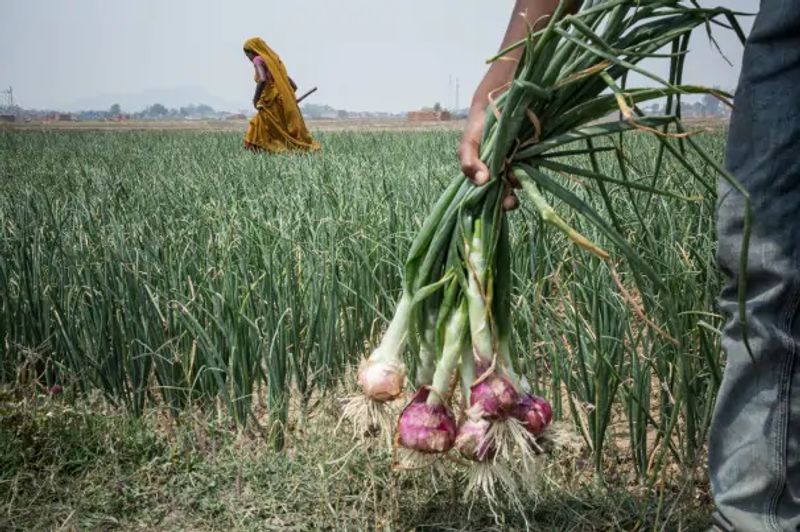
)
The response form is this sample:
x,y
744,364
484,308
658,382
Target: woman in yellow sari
x,y
278,125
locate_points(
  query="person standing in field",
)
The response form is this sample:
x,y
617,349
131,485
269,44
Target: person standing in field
x,y
754,445
278,125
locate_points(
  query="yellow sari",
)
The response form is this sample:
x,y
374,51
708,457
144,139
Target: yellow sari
x,y
278,125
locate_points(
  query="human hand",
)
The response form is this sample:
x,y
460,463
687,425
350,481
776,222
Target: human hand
x,y
471,165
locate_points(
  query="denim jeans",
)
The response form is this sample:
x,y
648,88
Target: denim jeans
x,y
754,447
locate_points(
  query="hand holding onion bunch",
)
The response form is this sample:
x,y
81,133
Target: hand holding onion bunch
x,y
455,310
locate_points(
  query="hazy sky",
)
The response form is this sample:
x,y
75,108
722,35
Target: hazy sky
x,y
362,54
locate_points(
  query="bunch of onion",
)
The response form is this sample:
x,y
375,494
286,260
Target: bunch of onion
x,y
457,286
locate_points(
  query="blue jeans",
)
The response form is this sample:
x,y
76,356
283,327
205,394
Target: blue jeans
x,y
754,448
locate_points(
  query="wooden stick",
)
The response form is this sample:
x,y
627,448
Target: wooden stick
x,y
306,95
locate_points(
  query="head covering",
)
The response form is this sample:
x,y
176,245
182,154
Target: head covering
x,y
271,59
278,125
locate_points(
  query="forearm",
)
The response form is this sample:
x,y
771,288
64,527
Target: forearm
x,y
526,13
259,89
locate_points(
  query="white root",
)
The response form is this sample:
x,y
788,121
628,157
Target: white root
x,y
369,418
410,460
514,443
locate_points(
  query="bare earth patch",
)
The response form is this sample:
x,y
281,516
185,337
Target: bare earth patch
x,y
77,465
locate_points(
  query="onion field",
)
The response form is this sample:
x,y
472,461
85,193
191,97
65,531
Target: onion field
x,y
173,272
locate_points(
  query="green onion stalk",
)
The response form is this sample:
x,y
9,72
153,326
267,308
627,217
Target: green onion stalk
x,y
456,302
427,351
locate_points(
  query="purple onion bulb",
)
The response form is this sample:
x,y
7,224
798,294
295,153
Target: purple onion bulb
x,y
426,428
473,441
534,412
494,397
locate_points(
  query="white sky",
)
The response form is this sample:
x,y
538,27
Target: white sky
x,y
376,55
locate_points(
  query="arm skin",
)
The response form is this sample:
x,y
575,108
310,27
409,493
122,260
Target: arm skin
x,y
499,74
259,89
263,76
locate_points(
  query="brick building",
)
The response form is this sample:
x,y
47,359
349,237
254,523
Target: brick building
x,y
429,115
